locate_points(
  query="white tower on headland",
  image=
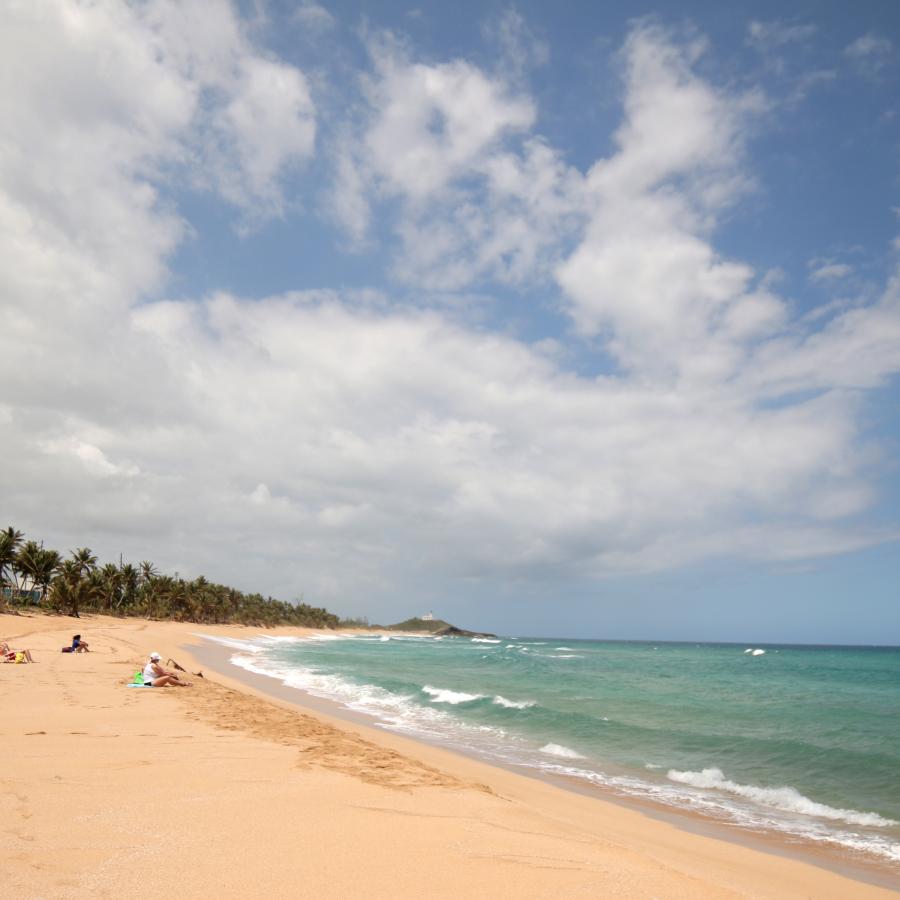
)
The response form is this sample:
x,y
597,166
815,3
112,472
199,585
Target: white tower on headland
x,y
428,617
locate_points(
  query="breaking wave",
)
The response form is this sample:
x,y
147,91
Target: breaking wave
x,y
787,799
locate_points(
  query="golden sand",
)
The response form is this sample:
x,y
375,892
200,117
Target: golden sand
x,y
219,791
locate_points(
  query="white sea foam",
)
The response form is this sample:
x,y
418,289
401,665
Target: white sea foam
x,y
393,711
570,649
715,805
235,643
485,641
787,799
559,750
442,695
283,639
512,704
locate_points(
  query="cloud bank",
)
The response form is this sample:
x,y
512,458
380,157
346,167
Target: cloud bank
x,y
341,443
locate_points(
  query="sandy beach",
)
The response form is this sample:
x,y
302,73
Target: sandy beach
x,y
221,790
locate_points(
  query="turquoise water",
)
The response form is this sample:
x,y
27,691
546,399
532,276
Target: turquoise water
x,y
804,741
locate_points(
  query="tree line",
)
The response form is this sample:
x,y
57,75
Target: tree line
x,y
32,574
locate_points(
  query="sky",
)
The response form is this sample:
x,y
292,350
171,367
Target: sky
x,y
573,319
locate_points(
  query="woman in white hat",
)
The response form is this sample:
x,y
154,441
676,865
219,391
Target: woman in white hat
x,y
157,676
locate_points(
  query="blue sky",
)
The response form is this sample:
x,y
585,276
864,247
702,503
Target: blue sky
x,y
572,319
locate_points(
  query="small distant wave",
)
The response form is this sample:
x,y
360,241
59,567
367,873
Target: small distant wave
x,y
442,695
560,750
757,652
512,704
562,656
787,799
485,641
570,649
283,639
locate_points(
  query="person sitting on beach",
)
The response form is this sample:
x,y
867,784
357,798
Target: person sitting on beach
x,y
157,676
9,654
78,645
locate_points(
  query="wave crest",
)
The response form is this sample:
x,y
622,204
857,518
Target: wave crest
x,y
560,750
787,799
512,704
443,695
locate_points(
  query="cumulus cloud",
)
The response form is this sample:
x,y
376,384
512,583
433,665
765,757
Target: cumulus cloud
x,y
253,116
338,444
645,272
479,197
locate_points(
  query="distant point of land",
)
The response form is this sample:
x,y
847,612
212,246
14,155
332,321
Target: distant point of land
x,y
436,628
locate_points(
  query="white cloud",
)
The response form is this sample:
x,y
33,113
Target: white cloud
x,y
645,272
478,196
870,53
313,16
767,36
520,49
433,123
332,443
821,270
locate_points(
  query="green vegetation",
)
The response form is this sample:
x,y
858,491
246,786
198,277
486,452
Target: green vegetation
x,y
437,627
420,625
31,575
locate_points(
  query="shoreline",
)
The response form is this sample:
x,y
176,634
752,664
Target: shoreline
x,y
217,658
223,788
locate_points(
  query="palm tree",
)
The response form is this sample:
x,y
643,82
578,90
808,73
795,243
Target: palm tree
x,y
148,571
10,541
110,585
48,562
27,565
130,580
84,560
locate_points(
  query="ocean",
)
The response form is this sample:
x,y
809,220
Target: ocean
x,y
801,741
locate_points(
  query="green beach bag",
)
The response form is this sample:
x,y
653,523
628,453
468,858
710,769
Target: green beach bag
x,y
138,678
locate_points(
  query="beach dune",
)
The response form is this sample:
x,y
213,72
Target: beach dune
x,y
220,791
